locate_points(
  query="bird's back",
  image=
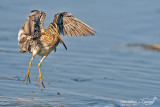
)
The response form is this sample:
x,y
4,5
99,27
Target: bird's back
x,y
49,40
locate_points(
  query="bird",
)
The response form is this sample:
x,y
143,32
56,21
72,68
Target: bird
x,y
35,39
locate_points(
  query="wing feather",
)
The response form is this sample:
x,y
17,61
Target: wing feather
x,y
69,25
33,26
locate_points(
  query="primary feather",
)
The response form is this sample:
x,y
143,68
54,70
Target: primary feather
x,y
69,25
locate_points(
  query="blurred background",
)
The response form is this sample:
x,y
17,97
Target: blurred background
x,y
98,71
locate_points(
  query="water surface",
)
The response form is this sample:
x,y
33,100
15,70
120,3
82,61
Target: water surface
x,y
99,71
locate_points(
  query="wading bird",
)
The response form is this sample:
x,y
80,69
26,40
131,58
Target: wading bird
x,y
35,39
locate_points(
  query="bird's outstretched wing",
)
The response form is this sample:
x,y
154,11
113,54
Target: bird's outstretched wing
x,y
33,25
69,25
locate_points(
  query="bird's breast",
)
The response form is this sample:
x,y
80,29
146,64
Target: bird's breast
x,y
48,43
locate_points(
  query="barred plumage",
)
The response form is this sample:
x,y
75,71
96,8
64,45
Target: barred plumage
x,y
35,39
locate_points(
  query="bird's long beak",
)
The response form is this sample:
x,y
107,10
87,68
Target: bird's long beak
x,y
61,40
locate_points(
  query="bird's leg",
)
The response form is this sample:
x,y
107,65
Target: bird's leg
x,y
40,75
27,75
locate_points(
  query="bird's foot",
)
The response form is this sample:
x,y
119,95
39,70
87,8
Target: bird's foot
x,y
42,85
27,78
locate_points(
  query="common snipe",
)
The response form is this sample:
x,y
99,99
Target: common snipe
x,y
35,39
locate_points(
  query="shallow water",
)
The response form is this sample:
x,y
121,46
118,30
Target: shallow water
x,y
99,71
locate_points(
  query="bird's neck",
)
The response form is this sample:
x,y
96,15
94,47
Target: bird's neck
x,y
52,28
42,29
